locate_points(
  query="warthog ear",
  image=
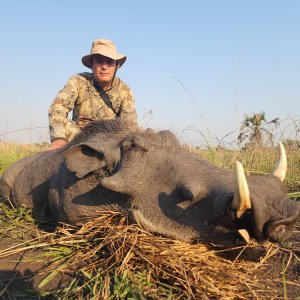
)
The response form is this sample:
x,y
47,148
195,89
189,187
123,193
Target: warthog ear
x,y
85,158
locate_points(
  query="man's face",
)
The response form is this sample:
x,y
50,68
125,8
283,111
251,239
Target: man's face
x,y
103,69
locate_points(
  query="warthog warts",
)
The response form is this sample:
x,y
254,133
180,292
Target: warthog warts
x,y
150,176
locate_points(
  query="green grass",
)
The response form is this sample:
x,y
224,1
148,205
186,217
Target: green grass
x,y
10,152
256,162
70,250
114,260
109,266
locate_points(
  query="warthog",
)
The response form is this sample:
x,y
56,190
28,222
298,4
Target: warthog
x,y
161,185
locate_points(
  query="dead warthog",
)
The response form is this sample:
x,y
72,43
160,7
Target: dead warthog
x,y
150,176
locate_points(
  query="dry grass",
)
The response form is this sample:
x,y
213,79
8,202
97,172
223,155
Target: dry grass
x,y
111,258
256,161
109,248
11,152
10,147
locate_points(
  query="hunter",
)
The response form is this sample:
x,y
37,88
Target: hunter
x,y
91,96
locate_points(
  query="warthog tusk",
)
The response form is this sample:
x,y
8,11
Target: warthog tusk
x,y
245,235
242,195
281,166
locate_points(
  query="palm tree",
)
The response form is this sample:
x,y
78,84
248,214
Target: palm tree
x,y
255,131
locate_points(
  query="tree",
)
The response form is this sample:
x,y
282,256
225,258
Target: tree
x,y
255,131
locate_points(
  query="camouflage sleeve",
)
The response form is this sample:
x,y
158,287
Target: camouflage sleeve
x,y
128,110
60,108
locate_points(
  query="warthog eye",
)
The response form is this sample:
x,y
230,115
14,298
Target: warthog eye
x,y
126,146
133,143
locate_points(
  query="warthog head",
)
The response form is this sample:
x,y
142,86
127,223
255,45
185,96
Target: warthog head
x,y
175,193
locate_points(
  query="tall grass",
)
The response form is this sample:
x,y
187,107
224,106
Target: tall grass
x,y
111,258
11,152
256,161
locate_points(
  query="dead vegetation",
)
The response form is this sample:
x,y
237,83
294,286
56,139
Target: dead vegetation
x,y
110,258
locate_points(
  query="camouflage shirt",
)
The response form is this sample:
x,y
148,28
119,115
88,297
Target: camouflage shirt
x,y
82,97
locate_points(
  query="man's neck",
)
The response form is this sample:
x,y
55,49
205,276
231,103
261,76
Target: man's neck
x,y
103,85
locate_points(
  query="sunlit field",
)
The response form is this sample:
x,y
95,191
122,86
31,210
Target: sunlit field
x,y
112,258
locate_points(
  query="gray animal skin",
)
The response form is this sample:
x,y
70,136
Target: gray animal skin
x,y
152,178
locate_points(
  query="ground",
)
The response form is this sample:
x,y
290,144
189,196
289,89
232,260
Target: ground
x,y
35,262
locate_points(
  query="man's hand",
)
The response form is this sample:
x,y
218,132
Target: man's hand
x,y
58,144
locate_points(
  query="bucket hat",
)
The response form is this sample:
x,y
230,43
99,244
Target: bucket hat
x,y
106,48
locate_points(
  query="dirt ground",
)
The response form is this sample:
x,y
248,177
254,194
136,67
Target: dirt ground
x,y
277,271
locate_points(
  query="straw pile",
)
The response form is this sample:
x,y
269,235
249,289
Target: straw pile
x,y
110,245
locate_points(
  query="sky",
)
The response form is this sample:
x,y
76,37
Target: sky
x,y
195,67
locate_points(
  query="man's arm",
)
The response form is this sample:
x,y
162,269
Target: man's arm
x,y
59,109
57,144
127,110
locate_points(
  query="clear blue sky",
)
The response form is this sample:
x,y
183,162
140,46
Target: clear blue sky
x,y
200,64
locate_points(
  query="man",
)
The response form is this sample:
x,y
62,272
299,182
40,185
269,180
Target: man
x,y
91,96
